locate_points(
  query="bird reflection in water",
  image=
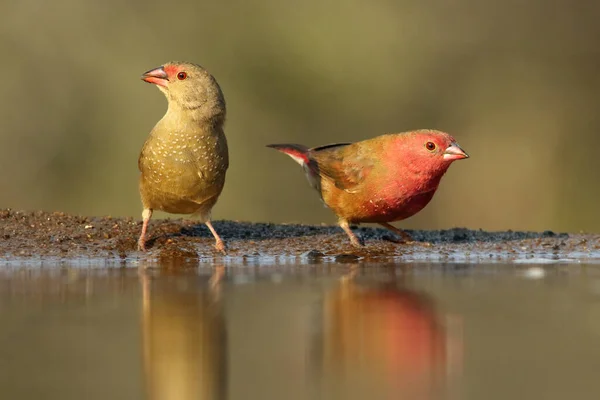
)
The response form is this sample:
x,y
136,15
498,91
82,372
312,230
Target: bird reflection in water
x,y
384,342
184,337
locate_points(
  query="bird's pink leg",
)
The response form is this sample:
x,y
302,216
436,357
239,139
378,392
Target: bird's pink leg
x,y
219,244
346,227
146,215
406,238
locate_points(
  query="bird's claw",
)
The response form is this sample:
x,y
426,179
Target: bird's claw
x,y
408,242
356,242
220,247
401,241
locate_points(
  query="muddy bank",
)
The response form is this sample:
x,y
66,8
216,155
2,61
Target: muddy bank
x,y
58,237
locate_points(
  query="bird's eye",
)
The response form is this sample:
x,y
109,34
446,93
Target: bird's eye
x,y
181,76
430,146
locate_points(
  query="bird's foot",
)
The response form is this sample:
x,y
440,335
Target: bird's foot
x,y
220,246
141,245
398,240
405,237
407,242
356,242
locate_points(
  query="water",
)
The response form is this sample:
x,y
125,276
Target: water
x,y
333,331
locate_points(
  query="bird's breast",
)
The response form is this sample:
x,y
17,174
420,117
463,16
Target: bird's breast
x,y
179,157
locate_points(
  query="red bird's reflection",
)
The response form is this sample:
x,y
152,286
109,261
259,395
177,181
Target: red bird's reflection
x,y
184,339
385,342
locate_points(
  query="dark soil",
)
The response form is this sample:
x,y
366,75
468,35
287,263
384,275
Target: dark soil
x,y
58,237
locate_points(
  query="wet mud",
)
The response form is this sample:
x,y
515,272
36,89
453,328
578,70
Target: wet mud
x,y
27,237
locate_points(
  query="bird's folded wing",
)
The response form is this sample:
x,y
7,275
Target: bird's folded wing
x,y
141,158
344,171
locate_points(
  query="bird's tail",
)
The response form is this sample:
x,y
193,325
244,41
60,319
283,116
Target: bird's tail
x,y
298,152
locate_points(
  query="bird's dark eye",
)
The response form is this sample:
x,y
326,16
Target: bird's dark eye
x,y
181,76
430,146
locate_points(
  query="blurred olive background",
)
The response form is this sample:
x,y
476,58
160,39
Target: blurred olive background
x,y
517,83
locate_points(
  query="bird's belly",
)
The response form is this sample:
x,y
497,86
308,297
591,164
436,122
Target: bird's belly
x,y
181,191
174,205
389,210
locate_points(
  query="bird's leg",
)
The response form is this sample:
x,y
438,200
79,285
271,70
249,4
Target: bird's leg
x,y
353,239
146,215
219,244
406,238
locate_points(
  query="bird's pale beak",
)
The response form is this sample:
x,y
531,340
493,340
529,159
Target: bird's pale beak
x,y
454,152
158,76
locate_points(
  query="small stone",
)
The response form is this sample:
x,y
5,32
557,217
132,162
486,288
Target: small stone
x,y
346,258
313,254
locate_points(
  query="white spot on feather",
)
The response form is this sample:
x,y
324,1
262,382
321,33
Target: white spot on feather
x,y
299,160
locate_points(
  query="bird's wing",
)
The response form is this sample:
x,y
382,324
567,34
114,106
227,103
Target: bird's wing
x,y
141,158
345,171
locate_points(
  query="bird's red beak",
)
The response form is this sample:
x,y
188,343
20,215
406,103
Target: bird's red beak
x,y
454,152
158,76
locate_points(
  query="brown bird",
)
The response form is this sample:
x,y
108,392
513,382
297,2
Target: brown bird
x,y
384,179
184,160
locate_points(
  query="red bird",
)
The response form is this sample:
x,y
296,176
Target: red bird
x,y
381,180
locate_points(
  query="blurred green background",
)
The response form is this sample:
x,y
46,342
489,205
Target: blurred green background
x,y
517,83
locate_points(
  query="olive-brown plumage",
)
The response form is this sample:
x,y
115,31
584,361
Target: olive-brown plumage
x,y
184,160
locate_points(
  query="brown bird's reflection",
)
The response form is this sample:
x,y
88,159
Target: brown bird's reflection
x,y
184,338
384,342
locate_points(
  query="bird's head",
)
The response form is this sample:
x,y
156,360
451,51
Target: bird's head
x,y
188,87
429,150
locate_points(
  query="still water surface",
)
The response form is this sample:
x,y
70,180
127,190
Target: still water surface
x,y
378,331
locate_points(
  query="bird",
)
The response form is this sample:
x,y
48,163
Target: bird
x,y
380,180
184,160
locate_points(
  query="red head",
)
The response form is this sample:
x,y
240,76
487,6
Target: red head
x,y
426,150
